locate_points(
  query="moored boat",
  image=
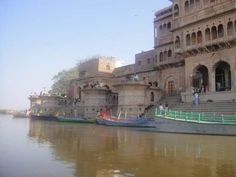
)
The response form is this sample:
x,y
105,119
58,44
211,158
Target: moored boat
x,y
195,123
48,117
125,121
75,119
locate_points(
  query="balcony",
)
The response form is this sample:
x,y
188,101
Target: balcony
x,y
175,61
204,14
208,46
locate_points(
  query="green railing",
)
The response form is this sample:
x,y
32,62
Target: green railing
x,y
202,117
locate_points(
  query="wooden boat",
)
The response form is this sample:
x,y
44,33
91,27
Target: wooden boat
x,y
125,122
47,117
75,119
195,123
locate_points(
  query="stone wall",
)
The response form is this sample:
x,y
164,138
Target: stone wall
x,y
209,60
144,61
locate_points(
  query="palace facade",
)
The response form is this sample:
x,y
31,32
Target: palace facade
x,y
194,51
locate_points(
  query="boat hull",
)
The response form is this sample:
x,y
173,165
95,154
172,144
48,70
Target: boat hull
x,y
43,117
76,120
180,126
126,123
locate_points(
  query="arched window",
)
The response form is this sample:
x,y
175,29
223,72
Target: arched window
x,y
160,28
114,100
165,55
155,58
214,33
193,38
169,26
200,79
177,42
191,4
152,97
186,6
108,67
165,26
207,34
161,56
220,31
197,3
222,76
155,84
169,53
188,42
199,37
230,29
235,26
79,92
176,10
149,83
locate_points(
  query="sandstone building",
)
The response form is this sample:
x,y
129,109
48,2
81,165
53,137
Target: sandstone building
x,y
194,51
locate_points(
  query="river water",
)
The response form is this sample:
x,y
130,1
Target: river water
x,y
53,149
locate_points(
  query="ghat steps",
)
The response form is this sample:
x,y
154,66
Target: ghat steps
x,y
217,107
224,107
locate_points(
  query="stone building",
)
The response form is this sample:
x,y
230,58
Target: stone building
x,y
46,104
204,35
194,51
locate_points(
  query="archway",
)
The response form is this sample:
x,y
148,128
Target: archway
x,y
152,97
186,6
208,34
176,10
170,86
222,76
177,42
155,84
200,80
79,92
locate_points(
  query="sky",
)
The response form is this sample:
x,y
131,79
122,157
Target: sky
x,y
39,38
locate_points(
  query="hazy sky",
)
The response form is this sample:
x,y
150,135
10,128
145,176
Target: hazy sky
x,y
39,38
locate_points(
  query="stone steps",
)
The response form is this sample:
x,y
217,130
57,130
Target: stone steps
x,y
218,107
226,107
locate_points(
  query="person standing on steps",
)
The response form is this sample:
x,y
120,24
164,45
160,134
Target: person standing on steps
x,y
161,108
196,98
166,108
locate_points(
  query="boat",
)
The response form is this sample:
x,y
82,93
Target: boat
x,y
75,119
139,121
48,117
195,123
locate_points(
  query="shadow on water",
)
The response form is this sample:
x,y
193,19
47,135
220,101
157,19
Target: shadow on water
x,y
112,151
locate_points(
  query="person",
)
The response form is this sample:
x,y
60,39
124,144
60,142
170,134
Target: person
x,y
103,114
98,114
193,91
196,98
166,107
218,86
161,108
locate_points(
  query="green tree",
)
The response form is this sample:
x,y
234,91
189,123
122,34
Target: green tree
x,y
61,81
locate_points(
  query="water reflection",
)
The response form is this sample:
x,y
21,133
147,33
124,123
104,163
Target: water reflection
x,y
108,151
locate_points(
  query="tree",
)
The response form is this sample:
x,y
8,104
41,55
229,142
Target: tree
x,y
62,80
